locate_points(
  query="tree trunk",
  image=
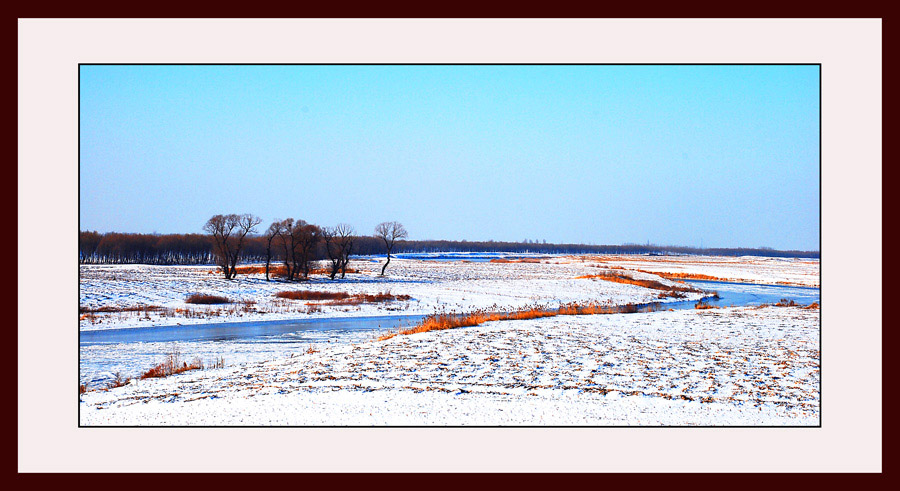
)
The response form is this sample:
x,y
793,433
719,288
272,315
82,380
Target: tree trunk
x,y
385,264
268,257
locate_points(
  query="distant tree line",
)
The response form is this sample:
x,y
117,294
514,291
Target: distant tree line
x,y
546,248
122,248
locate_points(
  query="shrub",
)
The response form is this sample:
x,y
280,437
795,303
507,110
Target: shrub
x,y
441,321
312,295
116,308
652,284
532,260
341,298
786,303
199,298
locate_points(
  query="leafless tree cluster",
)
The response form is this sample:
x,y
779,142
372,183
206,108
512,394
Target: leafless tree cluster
x,y
338,246
229,233
298,242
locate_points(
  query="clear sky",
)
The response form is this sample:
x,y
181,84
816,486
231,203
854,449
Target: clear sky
x,y
723,156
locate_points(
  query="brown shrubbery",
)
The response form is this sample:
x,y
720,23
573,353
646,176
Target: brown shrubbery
x,y
276,270
173,365
312,295
652,284
113,309
688,276
441,321
340,298
199,298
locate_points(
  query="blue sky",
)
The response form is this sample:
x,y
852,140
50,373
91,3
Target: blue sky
x,y
726,156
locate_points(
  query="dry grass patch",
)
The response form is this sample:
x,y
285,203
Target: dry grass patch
x,y
531,260
442,321
174,365
115,309
312,295
704,306
276,270
328,271
203,299
617,277
341,298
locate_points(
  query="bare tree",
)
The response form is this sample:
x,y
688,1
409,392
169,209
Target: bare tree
x,y
299,241
287,243
246,224
307,240
345,234
331,249
273,231
228,233
389,232
338,246
221,228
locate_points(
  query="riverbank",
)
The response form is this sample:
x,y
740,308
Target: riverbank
x,y
120,296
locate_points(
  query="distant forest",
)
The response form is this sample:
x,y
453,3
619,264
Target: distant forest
x,y
122,248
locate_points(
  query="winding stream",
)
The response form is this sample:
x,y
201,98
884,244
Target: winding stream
x,y
131,350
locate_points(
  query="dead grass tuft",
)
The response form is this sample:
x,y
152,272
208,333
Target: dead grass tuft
x,y
173,365
312,295
786,303
199,298
618,277
115,308
531,260
341,298
442,321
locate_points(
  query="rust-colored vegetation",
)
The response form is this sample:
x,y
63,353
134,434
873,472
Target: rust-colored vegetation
x,y
328,271
340,298
813,305
532,260
173,365
442,321
692,276
115,308
312,295
618,277
203,299
786,303
275,270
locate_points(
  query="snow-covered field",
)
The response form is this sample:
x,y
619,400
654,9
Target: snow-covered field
x,y
451,285
732,366
737,366
746,269
454,285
